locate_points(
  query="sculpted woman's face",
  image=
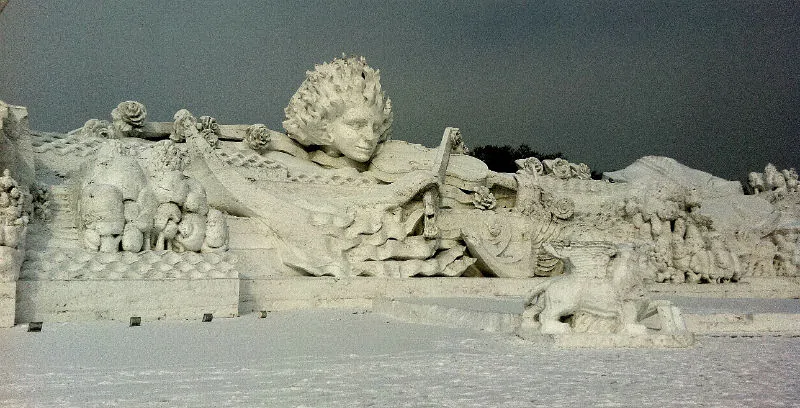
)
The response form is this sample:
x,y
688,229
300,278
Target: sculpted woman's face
x,y
354,134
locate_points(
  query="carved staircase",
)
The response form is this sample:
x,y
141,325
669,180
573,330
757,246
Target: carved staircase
x,y
60,232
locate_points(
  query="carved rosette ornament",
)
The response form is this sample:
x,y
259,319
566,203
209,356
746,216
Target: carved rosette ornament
x,y
128,118
99,129
560,168
580,171
561,207
483,199
531,165
257,137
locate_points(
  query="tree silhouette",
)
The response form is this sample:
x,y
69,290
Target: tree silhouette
x,y
501,158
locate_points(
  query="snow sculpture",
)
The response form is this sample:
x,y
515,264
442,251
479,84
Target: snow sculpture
x,y
698,228
338,197
122,206
601,293
338,124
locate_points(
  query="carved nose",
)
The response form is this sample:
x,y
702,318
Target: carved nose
x,y
369,136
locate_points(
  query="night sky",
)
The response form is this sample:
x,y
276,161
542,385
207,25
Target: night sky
x,y
715,85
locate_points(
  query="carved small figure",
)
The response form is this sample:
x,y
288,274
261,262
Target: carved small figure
x,y
191,233
216,232
773,179
791,180
6,182
756,182
165,225
102,217
184,126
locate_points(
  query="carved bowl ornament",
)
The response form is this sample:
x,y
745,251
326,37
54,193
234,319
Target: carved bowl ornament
x,y
531,165
483,199
128,115
257,137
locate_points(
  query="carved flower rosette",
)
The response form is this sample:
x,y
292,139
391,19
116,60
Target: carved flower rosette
x,y
580,171
257,137
561,207
531,165
95,128
561,168
483,199
128,117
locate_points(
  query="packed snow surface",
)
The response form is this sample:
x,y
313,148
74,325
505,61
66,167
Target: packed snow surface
x,y
357,359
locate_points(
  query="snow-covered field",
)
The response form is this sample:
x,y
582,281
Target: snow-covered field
x,y
356,359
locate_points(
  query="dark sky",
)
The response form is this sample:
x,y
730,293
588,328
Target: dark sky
x,y
715,85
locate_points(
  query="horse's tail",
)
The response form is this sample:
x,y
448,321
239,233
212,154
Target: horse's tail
x,y
534,302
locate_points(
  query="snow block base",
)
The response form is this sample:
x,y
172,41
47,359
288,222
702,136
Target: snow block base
x,y
8,301
86,300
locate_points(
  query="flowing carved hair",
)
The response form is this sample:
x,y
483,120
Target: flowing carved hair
x,y
327,92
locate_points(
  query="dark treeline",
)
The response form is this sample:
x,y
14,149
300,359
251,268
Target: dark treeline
x,y
501,158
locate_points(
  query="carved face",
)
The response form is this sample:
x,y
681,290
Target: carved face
x,y
354,134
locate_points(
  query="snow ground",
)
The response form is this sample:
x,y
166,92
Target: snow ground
x,y
356,359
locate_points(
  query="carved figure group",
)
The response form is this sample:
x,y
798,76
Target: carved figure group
x,y
684,247
124,207
776,183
